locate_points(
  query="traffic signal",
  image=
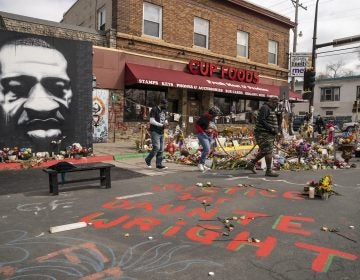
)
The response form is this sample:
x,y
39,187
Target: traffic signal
x,y
309,80
307,95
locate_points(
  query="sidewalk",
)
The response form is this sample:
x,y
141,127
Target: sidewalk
x,y
119,150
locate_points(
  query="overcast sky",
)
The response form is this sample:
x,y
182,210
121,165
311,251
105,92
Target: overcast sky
x,y
336,19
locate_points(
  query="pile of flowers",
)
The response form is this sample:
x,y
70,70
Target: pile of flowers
x,y
7,153
347,138
25,153
324,186
77,150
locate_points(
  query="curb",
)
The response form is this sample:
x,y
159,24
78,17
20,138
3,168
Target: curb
x,y
129,156
17,165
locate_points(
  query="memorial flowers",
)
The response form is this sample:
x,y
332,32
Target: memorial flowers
x,y
323,188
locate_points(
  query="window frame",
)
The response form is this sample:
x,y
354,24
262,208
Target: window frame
x,y
330,94
240,32
196,33
101,18
276,44
138,99
160,23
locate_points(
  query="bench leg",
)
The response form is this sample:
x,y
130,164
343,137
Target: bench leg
x,y
51,184
105,177
54,185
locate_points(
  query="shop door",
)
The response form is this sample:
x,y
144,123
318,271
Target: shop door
x,y
193,111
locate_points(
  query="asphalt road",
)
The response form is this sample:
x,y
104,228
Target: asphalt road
x,y
165,227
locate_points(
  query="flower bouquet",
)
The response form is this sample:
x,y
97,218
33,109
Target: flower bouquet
x,y
323,188
75,150
25,153
9,154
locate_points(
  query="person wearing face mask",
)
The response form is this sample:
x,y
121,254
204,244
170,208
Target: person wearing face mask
x,y
266,130
158,123
35,91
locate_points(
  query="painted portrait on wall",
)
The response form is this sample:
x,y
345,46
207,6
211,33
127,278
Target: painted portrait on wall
x,y
45,91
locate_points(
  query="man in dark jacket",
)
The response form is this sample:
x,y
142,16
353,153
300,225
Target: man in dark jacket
x,y
320,124
266,130
158,123
206,134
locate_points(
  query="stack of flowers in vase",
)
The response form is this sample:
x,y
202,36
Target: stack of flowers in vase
x,y
8,154
78,151
25,153
75,150
323,188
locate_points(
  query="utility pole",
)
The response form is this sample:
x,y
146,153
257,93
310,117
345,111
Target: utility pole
x,y
291,113
297,5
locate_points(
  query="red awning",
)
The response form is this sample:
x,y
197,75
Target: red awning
x,y
147,75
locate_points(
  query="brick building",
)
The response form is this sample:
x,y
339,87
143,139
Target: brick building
x,y
156,45
144,50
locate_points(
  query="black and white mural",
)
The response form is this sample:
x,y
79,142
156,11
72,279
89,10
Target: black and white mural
x,y
45,91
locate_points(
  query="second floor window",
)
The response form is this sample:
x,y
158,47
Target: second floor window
x,y
152,24
101,19
358,93
330,94
201,32
243,44
273,52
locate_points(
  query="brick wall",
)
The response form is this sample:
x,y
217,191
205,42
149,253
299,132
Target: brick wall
x,y
52,29
225,20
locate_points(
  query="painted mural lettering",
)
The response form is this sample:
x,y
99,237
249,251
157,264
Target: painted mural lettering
x,y
206,233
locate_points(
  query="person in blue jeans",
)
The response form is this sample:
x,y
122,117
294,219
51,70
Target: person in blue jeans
x,y
206,134
158,123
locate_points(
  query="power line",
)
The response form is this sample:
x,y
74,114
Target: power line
x,y
335,54
339,50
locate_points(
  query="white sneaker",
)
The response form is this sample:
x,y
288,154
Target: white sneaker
x,y
148,165
201,167
206,167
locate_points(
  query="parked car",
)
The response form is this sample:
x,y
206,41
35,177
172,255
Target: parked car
x,y
297,122
350,126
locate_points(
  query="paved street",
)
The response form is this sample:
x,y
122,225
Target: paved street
x,y
160,225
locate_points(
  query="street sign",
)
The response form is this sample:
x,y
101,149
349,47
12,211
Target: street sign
x,y
299,62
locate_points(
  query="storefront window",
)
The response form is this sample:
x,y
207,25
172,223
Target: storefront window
x,y
236,110
138,101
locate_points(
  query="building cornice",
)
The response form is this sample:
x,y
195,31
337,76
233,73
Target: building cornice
x,y
264,12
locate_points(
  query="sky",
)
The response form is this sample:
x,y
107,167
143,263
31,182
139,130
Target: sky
x,y
336,19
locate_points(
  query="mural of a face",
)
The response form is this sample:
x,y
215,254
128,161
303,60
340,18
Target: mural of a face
x,y
35,90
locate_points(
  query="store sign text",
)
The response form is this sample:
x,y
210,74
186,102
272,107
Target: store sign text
x,y
197,67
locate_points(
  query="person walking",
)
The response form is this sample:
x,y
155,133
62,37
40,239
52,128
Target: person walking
x,y
266,130
206,134
158,123
320,124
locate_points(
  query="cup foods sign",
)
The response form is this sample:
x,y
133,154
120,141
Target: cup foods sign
x,y
197,67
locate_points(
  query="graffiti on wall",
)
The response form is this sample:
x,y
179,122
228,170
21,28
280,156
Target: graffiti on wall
x,y
45,90
100,115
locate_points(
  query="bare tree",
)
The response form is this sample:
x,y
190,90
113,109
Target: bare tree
x,y
333,69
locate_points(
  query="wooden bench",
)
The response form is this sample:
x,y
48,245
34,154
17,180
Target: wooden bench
x,y
105,177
